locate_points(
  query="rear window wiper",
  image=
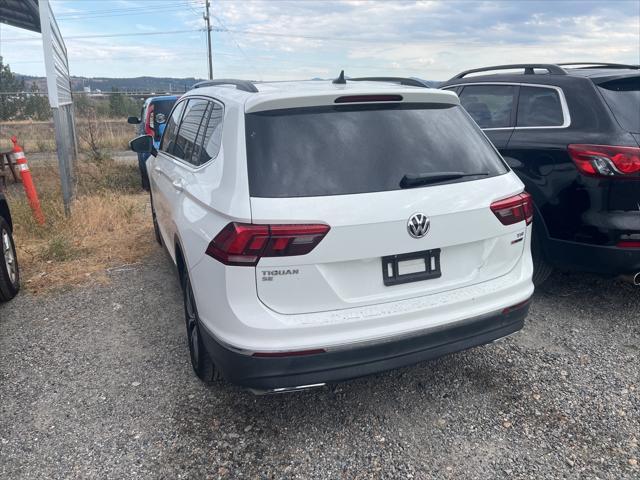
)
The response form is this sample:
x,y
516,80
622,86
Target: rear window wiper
x,y
415,180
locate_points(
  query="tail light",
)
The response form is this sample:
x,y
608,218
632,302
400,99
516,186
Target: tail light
x,y
245,244
149,121
607,161
514,209
629,244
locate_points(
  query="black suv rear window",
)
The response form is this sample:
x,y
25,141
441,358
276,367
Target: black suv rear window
x,y
623,98
338,150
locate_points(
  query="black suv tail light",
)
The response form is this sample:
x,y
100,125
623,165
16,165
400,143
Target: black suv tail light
x,y
605,161
245,243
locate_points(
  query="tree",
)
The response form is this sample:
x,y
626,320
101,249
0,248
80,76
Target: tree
x,y
117,105
83,104
10,86
36,106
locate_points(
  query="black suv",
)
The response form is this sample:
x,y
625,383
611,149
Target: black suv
x,y
572,134
9,274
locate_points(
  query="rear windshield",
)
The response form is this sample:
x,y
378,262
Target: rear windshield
x,y
163,106
338,150
623,97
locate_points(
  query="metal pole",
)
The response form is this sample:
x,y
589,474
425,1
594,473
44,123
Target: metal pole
x,y
208,21
60,120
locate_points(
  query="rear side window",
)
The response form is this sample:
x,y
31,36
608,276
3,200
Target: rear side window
x,y
623,98
489,105
189,127
347,149
539,107
171,130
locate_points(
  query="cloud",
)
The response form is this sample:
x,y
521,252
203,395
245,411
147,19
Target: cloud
x,y
298,39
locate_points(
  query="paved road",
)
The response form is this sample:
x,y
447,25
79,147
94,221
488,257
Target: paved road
x,y
96,383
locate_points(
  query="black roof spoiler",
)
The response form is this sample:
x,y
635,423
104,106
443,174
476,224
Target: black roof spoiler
x,y
411,82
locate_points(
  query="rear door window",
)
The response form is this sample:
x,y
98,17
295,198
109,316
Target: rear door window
x,y
491,106
623,98
210,135
189,127
171,130
347,149
539,107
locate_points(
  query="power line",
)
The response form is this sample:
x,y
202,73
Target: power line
x,y
108,35
118,11
223,25
122,14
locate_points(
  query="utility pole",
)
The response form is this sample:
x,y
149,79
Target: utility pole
x,y
208,21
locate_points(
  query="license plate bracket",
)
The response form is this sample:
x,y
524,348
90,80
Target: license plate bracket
x,y
391,267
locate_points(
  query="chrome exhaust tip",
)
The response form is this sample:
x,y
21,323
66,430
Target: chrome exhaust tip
x,y
275,391
633,278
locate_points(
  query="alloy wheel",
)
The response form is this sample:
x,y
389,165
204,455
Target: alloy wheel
x,y
9,256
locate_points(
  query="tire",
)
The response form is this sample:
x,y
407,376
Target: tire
x,y
145,181
541,269
200,360
9,271
156,228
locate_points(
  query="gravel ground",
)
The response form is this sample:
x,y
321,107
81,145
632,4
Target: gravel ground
x,y
96,383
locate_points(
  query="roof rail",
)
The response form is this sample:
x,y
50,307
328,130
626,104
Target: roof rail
x,y
599,65
528,69
244,85
411,82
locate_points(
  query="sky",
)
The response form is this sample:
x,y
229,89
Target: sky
x,y
298,39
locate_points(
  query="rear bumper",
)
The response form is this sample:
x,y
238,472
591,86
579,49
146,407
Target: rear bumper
x,y
343,363
593,258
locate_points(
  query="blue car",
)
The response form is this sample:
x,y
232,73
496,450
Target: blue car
x,y
153,116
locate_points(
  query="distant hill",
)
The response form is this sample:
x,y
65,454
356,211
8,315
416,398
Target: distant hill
x,y
133,85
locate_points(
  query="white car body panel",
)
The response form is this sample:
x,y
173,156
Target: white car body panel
x,y
230,309
344,270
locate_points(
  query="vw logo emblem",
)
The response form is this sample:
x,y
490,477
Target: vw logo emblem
x,y
418,225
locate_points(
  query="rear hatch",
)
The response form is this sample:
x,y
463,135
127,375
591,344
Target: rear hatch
x,y
343,166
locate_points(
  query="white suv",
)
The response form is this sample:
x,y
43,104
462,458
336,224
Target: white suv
x,y
325,230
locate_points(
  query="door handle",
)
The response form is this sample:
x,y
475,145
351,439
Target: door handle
x,y
177,184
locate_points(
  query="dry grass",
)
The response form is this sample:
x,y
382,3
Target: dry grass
x,y
113,134
110,226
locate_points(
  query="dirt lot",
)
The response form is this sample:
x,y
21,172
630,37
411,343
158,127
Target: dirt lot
x,y
39,136
95,383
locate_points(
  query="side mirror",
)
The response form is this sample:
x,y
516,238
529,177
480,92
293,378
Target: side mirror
x,y
133,120
143,144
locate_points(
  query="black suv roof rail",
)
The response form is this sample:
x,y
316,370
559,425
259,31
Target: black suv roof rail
x,y
410,82
600,65
528,69
244,85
